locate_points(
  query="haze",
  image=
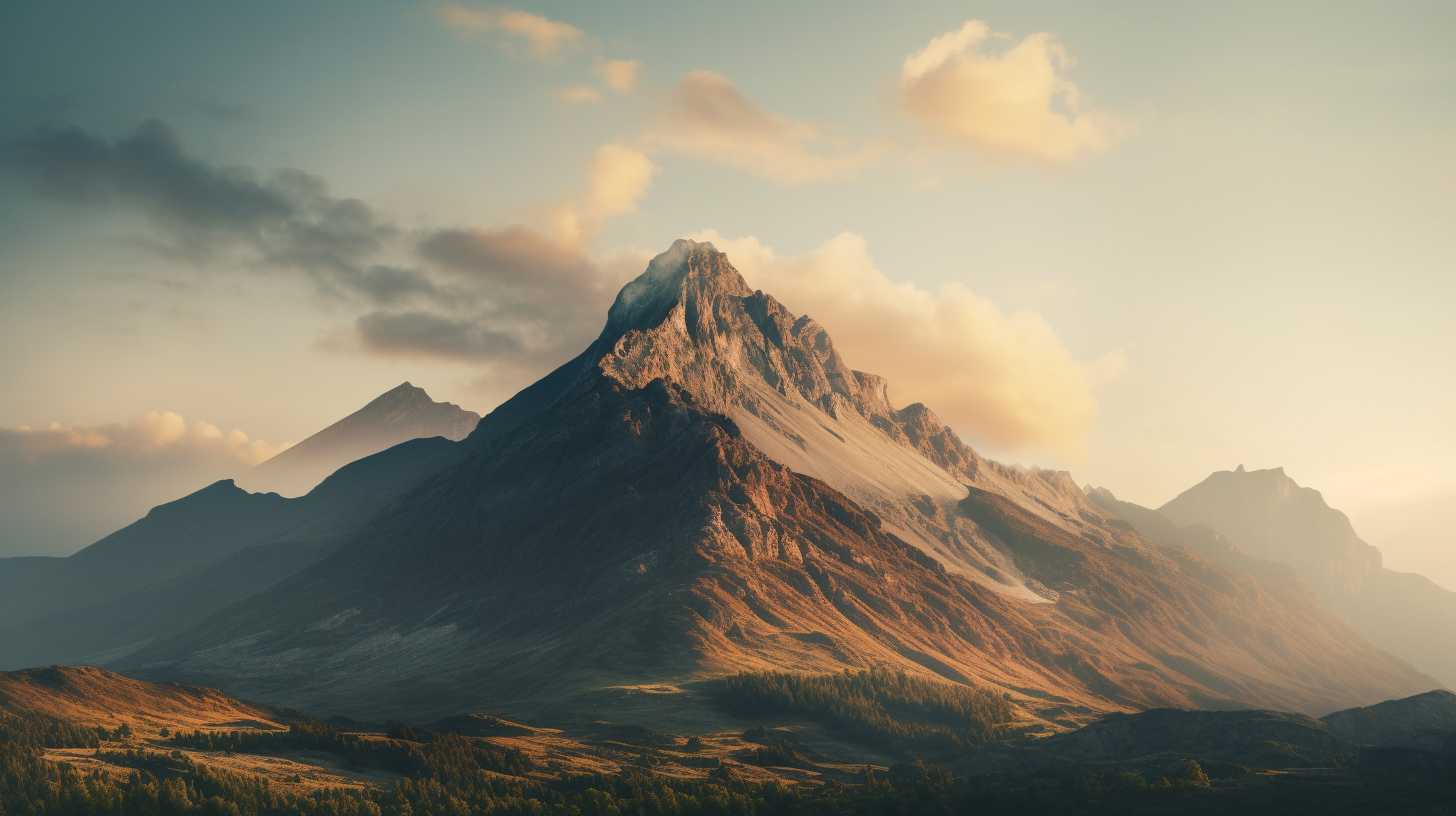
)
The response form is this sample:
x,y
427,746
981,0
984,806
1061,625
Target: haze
x,y
1138,243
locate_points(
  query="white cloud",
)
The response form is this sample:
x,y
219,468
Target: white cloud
x,y
619,75
708,117
1014,103
1003,379
544,37
578,93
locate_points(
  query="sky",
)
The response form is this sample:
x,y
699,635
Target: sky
x,y
1139,242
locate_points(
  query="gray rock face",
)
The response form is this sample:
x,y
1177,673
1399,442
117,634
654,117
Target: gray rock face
x,y
398,415
1271,517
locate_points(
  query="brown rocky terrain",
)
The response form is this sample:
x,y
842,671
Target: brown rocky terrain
x,y
709,488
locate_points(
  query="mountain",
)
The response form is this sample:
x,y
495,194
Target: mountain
x,y
188,559
396,416
1200,538
1272,517
709,488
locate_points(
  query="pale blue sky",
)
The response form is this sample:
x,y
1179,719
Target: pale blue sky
x,y
1271,251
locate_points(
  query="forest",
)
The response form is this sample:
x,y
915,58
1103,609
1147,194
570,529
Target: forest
x,y
453,775
879,708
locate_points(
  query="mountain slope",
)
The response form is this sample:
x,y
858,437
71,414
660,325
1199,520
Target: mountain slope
x,y
718,491
94,697
1272,517
400,414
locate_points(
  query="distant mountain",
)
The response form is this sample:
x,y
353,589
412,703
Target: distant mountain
x,y
1200,538
1272,517
188,559
397,415
709,488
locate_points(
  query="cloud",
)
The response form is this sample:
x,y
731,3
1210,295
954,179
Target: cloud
x,y
208,214
1003,379
1012,104
578,93
152,434
708,117
531,295
513,297
619,75
68,484
543,37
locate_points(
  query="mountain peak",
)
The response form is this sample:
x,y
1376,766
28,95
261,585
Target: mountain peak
x,y
400,414
688,271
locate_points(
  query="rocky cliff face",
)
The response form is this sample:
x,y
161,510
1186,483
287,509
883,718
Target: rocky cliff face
x,y
398,415
711,488
1272,517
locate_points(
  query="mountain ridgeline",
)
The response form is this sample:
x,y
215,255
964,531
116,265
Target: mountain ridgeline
x,y
398,415
1274,525
707,489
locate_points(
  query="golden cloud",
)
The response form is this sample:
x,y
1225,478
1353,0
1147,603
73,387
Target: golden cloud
x,y
578,93
1004,379
708,117
619,75
543,36
1013,104
153,434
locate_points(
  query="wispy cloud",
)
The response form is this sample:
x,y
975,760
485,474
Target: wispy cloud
x,y
1011,103
153,434
203,213
619,75
515,297
708,117
1004,379
578,93
512,28
535,294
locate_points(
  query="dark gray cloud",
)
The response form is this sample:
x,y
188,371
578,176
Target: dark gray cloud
x,y
202,212
515,256
417,332
510,296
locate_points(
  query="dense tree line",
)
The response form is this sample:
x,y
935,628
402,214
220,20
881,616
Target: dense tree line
x,y
879,708
399,755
